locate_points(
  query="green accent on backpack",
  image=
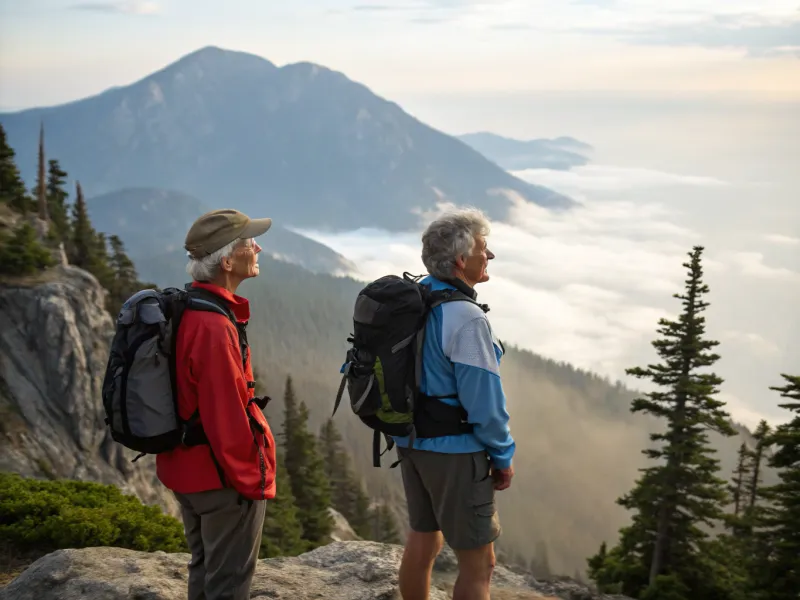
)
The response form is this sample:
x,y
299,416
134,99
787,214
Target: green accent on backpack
x,y
386,413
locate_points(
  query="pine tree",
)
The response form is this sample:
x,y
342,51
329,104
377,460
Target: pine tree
x,y
384,526
125,281
22,254
12,188
761,436
84,239
776,574
282,529
100,267
282,533
347,493
740,474
664,552
41,180
306,468
57,201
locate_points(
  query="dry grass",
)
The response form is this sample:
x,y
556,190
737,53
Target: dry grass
x,y
13,563
28,281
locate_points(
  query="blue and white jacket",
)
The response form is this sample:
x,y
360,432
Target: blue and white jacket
x,y
461,356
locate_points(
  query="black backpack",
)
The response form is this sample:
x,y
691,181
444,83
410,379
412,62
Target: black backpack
x,y
139,388
383,366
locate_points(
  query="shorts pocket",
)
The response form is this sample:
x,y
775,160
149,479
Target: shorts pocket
x,y
481,499
484,524
481,470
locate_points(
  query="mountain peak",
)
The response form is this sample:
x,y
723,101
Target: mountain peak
x,y
302,142
214,57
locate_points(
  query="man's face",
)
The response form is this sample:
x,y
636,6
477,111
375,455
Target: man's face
x,y
244,260
476,265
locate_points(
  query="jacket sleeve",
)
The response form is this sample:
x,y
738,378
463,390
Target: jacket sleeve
x,y
480,389
222,397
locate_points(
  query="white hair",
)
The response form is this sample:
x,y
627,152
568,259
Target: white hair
x,y
207,268
449,237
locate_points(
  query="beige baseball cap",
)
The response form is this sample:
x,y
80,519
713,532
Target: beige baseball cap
x,y
217,228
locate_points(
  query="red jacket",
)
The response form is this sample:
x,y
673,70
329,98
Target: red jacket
x,y
210,375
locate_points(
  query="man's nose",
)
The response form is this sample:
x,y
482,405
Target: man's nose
x,y
256,247
489,254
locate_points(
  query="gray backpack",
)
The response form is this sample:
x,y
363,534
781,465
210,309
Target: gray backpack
x,y
139,388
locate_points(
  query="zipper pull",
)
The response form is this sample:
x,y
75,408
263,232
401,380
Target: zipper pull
x,y
156,358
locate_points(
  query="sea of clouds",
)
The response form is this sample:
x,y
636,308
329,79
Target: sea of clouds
x,y
587,286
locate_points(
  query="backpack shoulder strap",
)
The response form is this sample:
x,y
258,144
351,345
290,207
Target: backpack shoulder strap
x,y
200,299
450,295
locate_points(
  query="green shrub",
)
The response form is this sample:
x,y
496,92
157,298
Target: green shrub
x,y
22,253
43,516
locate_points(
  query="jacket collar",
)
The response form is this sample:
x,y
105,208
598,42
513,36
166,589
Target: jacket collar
x,y
239,305
452,284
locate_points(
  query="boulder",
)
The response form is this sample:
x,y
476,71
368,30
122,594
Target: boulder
x,y
352,570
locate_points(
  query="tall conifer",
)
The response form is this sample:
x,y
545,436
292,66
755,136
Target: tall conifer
x,y
83,248
665,551
741,475
347,493
306,469
57,201
283,533
41,180
12,188
776,572
761,436
384,526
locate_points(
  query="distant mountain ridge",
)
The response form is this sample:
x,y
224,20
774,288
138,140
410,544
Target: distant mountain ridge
x,y
152,221
302,143
561,153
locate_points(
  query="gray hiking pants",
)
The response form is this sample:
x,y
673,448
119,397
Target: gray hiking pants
x,y
223,530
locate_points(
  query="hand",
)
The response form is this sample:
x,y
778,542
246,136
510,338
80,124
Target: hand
x,y
502,477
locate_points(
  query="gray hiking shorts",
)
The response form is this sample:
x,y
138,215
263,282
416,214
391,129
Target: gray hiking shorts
x,y
451,493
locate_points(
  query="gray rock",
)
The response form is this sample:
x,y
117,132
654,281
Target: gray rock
x,y
342,531
568,589
54,340
353,570
446,562
346,570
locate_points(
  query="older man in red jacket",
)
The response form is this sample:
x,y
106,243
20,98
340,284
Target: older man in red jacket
x,y
222,485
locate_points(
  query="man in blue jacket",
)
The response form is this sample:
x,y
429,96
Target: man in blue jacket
x,y
450,481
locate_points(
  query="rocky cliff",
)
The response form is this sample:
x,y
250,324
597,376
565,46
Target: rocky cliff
x,y
54,340
354,570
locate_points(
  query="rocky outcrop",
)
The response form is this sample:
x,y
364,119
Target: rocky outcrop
x,y
354,570
54,340
342,531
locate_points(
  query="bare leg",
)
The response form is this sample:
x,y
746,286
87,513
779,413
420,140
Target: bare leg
x,y
475,568
415,570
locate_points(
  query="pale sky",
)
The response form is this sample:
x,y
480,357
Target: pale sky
x,y
53,51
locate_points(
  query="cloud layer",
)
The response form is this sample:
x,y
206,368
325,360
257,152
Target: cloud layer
x,y
588,286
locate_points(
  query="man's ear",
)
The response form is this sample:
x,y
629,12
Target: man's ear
x,y
226,263
460,262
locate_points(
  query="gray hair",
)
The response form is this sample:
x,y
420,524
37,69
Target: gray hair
x,y
451,236
207,268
